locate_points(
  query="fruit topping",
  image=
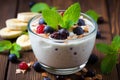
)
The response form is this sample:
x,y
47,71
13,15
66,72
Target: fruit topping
x,y
37,66
12,58
48,29
42,21
78,30
61,34
40,29
81,22
23,66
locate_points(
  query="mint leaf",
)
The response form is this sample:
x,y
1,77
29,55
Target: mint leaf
x,y
15,50
104,48
5,45
92,14
52,18
39,7
108,63
72,14
116,43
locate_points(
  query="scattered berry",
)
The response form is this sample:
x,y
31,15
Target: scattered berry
x,y
40,29
60,77
81,77
46,78
81,22
98,34
31,3
63,33
90,73
12,58
23,66
78,30
37,66
48,29
100,20
41,21
92,59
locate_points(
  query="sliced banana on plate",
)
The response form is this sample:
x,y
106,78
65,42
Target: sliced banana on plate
x,y
24,42
7,33
16,24
26,16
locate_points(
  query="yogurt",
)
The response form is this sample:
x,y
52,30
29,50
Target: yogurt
x,y
63,54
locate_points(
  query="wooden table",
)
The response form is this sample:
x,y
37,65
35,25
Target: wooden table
x,y
108,9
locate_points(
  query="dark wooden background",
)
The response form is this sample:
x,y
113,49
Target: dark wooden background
x,y
108,9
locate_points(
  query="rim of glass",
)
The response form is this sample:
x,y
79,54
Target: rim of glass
x,y
86,36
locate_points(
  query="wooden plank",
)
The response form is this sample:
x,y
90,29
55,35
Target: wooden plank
x,y
5,13
114,11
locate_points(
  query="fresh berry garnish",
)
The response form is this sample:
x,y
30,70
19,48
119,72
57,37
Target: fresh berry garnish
x,y
31,3
48,29
81,22
42,21
55,35
98,34
12,58
100,20
90,73
63,33
92,59
37,67
78,30
46,78
40,29
23,66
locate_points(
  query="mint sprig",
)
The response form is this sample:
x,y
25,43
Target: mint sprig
x,y
12,47
70,17
94,15
39,7
111,52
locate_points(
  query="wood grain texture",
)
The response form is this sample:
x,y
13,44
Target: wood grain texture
x,y
7,8
114,16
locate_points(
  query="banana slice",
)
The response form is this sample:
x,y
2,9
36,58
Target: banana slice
x,y
7,33
16,24
24,42
26,16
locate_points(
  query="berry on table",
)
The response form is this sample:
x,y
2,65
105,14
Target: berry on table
x,y
100,20
42,21
31,3
78,30
90,73
98,35
37,66
81,22
40,29
23,66
12,58
48,29
92,59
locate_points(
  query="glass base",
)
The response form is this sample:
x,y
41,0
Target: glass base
x,y
63,71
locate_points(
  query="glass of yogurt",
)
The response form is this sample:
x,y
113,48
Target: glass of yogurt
x,y
63,56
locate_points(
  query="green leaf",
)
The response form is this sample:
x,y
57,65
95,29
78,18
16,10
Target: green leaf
x,y
52,18
5,45
104,48
92,14
108,63
116,43
39,7
15,50
72,14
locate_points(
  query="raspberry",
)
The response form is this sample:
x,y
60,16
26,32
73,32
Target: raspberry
x,y
40,29
23,66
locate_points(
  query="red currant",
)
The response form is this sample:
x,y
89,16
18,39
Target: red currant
x,y
40,29
23,66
